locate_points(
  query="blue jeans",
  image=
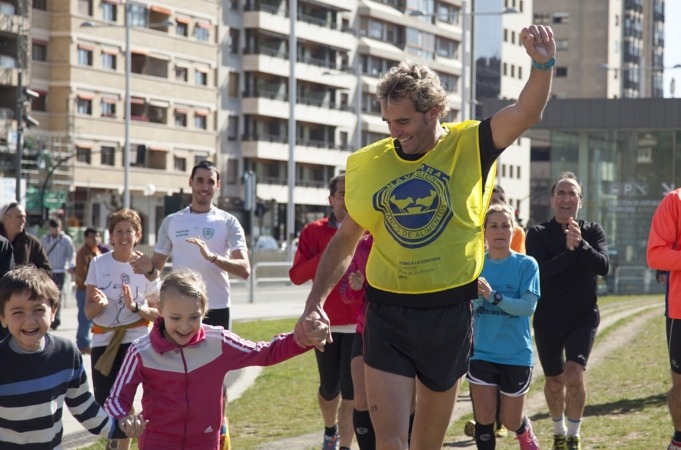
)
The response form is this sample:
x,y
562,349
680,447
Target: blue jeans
x,y
84,325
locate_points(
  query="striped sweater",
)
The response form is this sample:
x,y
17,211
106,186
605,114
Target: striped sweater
x,y
33,390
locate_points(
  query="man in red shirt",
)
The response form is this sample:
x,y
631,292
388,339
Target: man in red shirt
x,y
335,382
664,254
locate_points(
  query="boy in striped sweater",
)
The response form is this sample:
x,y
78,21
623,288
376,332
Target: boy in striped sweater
x,y
40,371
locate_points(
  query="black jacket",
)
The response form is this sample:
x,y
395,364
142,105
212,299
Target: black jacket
x,y
568,278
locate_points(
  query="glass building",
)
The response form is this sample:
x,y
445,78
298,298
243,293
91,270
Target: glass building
x,y
627,155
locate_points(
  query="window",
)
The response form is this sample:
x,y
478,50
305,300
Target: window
x,y
561,72
181,73
420,43
233,41
561,17
446,48
108,60
201,78
561,44
181,28
108,108
40,4
83,154
84,106
84,56
85,7
108,156
180,164
520,72
109,11
233,84
39,51
138,15
180,118
232,128
40,103
200,120
201,32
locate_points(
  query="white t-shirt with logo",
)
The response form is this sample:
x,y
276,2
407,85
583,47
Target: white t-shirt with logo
x,y
221,232
109,276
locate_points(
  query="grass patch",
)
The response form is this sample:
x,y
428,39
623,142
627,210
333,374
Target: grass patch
x,y
626,395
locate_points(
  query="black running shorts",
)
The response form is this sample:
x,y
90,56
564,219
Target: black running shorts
x,y
432,344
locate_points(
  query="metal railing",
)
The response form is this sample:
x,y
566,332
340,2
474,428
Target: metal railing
x,y
254,279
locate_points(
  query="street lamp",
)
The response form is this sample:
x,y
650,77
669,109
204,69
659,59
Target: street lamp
x,y
128,72
465,103
291,206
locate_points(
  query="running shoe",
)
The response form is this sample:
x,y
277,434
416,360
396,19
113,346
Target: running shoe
x,y
673,445
573,443
527,440
559,442
469,428
500,431
330,442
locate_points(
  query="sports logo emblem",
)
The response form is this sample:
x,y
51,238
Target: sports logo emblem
x,y
416,206
208,233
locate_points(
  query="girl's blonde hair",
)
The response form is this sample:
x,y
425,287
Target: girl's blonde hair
x,y
187,283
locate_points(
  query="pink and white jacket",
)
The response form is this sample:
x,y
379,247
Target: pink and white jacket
x,y
182,385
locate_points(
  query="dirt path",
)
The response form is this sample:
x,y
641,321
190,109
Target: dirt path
x,y
611,314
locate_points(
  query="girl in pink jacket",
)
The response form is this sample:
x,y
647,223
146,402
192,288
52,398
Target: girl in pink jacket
x,y
181,365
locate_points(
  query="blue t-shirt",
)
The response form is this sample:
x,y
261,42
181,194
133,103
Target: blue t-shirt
x,y
502,333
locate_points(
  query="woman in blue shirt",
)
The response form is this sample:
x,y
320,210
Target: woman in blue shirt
x,y
502,359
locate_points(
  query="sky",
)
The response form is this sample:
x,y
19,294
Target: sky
x,y
672,45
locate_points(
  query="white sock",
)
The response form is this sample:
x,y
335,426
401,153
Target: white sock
x,y
573,426
559,426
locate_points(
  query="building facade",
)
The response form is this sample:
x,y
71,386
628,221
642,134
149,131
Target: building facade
x,y
607,48
341,49
501,68
627,155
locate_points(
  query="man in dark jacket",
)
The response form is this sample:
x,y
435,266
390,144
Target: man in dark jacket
x,y
571,254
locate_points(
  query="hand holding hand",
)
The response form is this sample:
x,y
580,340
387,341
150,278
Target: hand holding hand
x,y
132,425
313,329
539,42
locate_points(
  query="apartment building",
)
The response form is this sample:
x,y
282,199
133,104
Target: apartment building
x,y
606,49
212,79
501,68
341,50
74,160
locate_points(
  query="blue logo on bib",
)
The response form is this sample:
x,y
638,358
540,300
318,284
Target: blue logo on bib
x,y
416,206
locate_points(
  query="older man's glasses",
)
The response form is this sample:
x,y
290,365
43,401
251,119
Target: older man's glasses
x,y
572,195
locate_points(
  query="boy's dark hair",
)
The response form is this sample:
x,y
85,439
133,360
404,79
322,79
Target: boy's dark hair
x,y
205,164
89,232
28,278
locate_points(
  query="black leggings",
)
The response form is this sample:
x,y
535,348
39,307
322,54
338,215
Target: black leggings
x,y
334,367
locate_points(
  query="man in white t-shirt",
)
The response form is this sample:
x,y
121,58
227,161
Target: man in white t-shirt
x,y
208,240
203,238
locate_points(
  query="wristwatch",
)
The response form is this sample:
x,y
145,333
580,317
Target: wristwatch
x,y
497,298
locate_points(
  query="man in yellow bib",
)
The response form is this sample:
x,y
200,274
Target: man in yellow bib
x,y
422,193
